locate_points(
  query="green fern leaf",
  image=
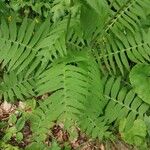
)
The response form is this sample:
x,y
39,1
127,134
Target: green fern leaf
x,y
122,102
117,39
18,87
89,119
20,44
72,88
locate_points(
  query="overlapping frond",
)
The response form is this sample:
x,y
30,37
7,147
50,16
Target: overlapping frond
x,y
73,98
26,51
89,118
31,42
67,83
44,116
121,39
124,14
53,46
18,44
125,49
122,102
68,58
93,16
17,86
75,39
4,9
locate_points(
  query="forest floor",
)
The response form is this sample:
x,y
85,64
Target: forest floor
x,y
81,142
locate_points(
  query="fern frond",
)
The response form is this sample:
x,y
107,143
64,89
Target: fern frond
x,y
89,118
19,87
68,85
117,40
122,102
125,13
97,12
53,46
74,99
75,39
18,45
69,79
124,49
4,9
44,116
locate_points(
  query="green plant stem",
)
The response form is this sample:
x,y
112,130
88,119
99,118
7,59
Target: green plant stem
x,y
69,20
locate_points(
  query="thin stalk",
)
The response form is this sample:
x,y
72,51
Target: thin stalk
x,y
69,20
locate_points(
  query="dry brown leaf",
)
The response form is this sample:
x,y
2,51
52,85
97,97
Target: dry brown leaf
x,y
1,112
102,147
5,106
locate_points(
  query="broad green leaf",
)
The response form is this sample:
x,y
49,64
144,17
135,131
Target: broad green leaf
x,y
136,134
12,119
20,123
140,80
19,136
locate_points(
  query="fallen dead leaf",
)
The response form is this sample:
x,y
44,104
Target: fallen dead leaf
x,y
6,109
102,147
5,106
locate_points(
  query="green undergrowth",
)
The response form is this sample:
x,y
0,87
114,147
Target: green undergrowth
x,y
91,60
